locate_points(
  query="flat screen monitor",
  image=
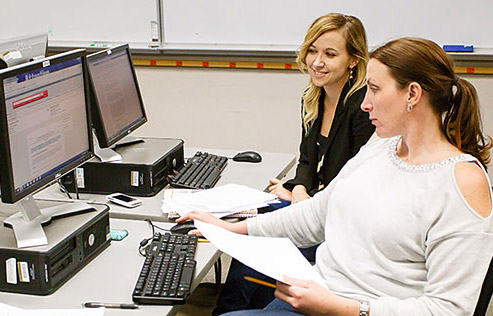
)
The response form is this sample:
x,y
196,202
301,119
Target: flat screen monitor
x,y
46,133
117,105
22,49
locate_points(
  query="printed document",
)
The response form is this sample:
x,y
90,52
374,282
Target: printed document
x,y
274,257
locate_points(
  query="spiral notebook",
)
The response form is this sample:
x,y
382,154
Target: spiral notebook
x,y
172,215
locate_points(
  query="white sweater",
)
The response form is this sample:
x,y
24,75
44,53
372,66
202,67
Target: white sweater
x,y
400,235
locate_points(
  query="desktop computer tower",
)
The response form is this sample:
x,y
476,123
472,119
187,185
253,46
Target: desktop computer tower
x,y
73,242
143,171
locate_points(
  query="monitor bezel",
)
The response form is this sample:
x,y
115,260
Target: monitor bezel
x,y
99,127
25,38
6,173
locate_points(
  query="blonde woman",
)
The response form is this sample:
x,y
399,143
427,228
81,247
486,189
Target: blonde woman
x,y
334,127
335,55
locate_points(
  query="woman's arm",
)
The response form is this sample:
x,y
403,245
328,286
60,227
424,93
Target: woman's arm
x,y
299,193
305,169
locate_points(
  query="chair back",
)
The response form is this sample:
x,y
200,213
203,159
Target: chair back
x,y
486,291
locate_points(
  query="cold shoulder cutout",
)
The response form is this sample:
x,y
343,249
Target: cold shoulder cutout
x,y
474,186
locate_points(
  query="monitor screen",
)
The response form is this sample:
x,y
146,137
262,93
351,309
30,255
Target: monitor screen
x,y
45,123
22,49
117,104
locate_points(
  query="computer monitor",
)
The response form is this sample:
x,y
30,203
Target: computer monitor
x,y
19,50
117,105
45,133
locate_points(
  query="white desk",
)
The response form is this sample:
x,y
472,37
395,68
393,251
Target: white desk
x,y
254,175
111,276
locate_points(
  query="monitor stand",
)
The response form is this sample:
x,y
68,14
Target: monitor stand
x,y
28,223
105,154
129,140
108,154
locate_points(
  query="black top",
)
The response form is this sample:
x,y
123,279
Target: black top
x,y
351,129
3,64
322,146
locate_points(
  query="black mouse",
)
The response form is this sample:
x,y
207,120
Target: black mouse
x,y
182,228
248,156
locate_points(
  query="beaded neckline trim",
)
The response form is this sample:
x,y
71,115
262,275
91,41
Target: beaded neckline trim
x,y
425,167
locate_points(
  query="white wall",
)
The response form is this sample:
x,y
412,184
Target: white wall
x,y
223,108
240,109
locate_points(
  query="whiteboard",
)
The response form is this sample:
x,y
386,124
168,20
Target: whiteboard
x,y
285,22
83,21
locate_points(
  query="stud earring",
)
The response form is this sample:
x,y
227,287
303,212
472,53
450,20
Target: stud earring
x,y
351,74
409,107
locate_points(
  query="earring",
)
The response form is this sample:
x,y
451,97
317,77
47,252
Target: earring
x,y
409,107
351,74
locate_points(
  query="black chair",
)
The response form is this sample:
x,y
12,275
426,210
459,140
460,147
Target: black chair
x,y
486,291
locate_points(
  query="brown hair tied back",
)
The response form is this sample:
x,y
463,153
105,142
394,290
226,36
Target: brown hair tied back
x,y
454,99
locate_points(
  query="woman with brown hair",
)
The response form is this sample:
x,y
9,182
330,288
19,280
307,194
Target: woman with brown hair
x,y
406,226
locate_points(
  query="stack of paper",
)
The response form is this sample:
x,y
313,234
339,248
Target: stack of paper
x,y
220,201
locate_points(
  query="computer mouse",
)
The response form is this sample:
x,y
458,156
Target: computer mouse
x,y
248,156
182,228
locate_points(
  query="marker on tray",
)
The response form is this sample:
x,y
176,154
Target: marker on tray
x,y
101,45
458,48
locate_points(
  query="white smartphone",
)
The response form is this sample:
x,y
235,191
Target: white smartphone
x,y
124,200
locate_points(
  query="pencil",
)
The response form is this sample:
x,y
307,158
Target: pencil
x,y
260,282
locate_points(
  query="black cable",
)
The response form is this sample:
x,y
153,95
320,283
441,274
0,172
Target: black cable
x,y
152,226
76,186
144,242
155,226
64,189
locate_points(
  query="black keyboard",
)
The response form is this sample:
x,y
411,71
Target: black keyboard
x,y
167,273
202,171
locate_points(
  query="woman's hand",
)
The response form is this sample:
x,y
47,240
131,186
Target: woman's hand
x,y
299,194
277,189
238,227
203,217
310,298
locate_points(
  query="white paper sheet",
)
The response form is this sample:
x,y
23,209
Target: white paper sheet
x,y
7,310
274,257
220,201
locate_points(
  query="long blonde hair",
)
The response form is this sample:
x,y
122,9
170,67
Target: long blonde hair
x,y
356,45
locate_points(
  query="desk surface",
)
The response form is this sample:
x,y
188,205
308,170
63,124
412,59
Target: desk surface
x,y
112,275
254,175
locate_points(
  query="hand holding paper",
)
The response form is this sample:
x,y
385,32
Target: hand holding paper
x,y
274,257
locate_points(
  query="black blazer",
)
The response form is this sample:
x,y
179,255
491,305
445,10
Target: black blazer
x,y
351,129
3,64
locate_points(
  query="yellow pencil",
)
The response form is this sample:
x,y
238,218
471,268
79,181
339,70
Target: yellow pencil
x,y
260,282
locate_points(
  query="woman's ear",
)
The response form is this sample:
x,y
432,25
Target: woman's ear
x,y
415,92
354,61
